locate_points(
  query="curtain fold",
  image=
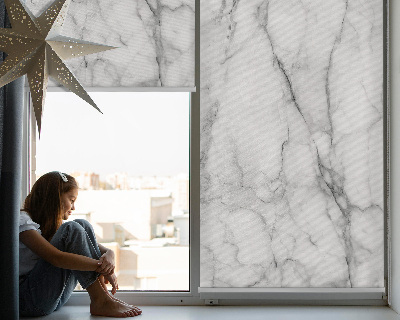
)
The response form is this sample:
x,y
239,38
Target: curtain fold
x,y
11,111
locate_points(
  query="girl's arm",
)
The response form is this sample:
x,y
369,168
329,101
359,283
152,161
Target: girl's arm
x,y
65,260
103,249
107,260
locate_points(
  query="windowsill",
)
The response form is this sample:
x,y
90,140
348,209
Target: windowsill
x,y
287,297
305,294
241,312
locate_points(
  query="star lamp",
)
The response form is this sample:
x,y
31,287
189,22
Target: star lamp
x,y
35,47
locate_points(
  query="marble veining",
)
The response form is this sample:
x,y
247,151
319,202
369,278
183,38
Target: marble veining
x,y
292,143
155,40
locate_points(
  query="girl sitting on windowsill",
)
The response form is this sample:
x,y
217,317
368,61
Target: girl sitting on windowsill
x,y
54,256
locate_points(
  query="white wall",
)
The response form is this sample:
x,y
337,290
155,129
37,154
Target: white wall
x,y
395,151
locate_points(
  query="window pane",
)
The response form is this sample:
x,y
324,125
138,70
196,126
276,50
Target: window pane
x,y
132,166
292,120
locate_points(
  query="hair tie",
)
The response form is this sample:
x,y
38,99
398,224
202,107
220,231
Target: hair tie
x,y
63,177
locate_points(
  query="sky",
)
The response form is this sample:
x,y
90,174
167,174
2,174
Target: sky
x,y
140,133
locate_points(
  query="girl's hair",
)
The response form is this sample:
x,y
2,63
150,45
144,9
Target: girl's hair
x,y
43,203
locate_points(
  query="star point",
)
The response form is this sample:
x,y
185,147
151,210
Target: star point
x,y
35,47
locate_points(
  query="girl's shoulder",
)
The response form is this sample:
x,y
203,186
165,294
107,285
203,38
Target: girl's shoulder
x,y
26,222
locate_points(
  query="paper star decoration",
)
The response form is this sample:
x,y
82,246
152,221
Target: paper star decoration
x,y
35,47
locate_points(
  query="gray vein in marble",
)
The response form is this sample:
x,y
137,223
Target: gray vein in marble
x,y
301,195
155,41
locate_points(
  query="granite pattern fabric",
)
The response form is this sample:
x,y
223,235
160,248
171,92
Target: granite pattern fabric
x,y
155,40
292,143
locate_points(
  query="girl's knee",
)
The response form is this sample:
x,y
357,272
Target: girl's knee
x,y
78,228
68,230
72,225
84,223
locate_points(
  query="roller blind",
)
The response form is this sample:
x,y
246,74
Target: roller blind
x,y
292,159
155,41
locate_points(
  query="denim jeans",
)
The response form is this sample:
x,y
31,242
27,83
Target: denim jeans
x,y
46,288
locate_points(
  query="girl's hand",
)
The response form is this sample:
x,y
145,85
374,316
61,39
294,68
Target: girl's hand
x,y
112,279
107,265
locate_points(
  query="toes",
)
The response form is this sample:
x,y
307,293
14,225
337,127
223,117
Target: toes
x,y
134,312
128,314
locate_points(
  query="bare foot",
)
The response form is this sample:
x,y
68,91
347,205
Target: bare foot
x,y
101,279
109,307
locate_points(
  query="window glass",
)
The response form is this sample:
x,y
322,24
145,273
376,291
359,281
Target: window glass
x,y
132,166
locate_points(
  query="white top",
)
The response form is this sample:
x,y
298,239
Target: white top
x,y
27,259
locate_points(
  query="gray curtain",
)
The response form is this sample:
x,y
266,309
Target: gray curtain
x,y
11,111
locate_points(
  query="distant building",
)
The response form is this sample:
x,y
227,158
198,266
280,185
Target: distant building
x,y
160,211
87,180
117,181
151,182
142,214
181,225
180,193
151,243
153,268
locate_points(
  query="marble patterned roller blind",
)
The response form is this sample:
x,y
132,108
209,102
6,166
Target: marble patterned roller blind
x,y
292,143
155,40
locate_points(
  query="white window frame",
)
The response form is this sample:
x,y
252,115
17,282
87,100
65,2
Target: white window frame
x,y
150,297
222,296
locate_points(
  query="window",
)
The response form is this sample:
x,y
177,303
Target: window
x,y
132,166
222,25
293,159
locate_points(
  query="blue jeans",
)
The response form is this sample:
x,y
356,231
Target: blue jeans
x,y
47,288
